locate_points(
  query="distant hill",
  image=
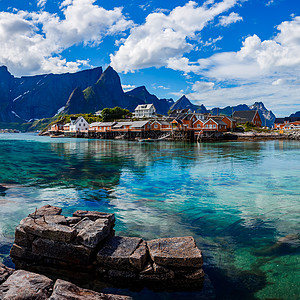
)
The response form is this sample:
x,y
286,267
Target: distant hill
x,y
295,115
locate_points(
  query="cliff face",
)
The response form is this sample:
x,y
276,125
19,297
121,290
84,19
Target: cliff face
x,y
36,97
108,92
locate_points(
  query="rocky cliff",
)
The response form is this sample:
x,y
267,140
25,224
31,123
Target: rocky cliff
x,y
108,92
36,97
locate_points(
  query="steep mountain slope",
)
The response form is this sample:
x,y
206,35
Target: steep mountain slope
x,y
108,92
41,96
266,116
184,103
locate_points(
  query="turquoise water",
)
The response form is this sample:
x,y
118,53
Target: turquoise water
x,y
240,200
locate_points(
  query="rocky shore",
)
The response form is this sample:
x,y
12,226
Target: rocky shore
x,y
86,243
275,135
24,285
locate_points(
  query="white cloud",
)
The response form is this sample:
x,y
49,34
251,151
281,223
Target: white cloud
x,y
128,87
31,42
232,18
165,38
199,86
261,70
41,3
270,2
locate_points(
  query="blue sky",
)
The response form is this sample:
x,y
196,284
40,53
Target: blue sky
x,y
217,52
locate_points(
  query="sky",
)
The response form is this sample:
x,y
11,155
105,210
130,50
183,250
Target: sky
x,y
216,52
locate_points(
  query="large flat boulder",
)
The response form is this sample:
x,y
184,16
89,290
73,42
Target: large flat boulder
x,y
48,230
46,210
94,215
64,290
5,272
175,252
76,255
23,285
116,252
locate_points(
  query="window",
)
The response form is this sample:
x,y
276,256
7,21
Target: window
x,y
155,126
198,125
210,126
206,126
214,126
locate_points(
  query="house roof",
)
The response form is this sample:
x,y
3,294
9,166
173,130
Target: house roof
x,y
216,120
121,124
188,117
162,122
144,106
246,115
104,124
139,124
95,124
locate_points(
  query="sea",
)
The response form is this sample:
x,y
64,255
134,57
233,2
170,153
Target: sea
x,y
239,200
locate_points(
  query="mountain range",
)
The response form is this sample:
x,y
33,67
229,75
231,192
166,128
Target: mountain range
x,y
43,96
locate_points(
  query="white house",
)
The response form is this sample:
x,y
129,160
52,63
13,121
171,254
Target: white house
x,y
78,124
145,111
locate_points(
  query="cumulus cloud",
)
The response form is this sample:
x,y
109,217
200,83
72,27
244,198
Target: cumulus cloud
x,y
199,86
227,20
128,87
165,38
32,42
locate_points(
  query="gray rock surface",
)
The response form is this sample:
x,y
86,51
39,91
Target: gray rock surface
x,y
92,234
94,215
46,210
48,230
116,252
5,272
72,254
175,252
64,290
23,285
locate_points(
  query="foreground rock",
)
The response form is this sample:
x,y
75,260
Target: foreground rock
x,y
64,290
5,272
24,285
85,242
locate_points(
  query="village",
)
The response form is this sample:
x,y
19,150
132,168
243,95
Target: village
x,y
180,124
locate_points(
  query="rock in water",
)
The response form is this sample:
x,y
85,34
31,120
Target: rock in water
x,y
175,252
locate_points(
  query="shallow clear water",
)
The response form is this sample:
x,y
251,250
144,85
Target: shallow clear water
x,y
240,200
